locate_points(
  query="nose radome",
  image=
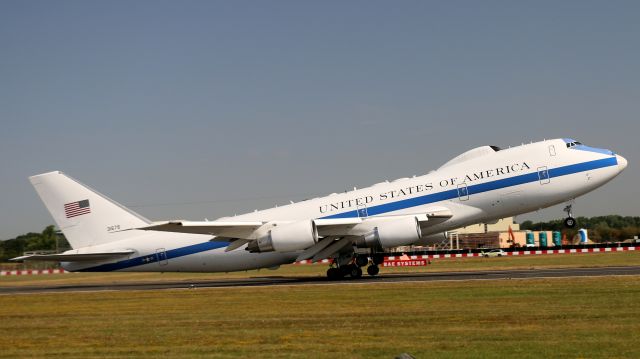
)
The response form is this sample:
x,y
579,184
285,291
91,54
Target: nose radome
x,y
622,162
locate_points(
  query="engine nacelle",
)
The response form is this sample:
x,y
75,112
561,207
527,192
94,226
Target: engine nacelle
x,y
394,233
286,238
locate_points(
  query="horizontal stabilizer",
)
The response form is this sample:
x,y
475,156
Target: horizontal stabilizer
x,y
83,257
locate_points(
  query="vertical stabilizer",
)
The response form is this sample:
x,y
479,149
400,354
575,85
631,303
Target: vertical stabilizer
x,y
86,217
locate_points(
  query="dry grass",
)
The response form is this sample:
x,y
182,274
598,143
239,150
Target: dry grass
x,y
578,317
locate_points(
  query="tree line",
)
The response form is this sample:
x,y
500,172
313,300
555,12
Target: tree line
x,y
48,240
601,229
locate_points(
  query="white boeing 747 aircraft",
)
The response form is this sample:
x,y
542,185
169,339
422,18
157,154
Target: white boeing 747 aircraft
x,y
352,228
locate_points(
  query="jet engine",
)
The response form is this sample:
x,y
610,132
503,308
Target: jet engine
x,y
286,238
394,233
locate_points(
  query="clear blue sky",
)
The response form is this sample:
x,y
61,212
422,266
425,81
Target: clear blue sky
x,y
194,109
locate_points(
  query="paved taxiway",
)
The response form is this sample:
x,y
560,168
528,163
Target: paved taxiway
x,y
279,281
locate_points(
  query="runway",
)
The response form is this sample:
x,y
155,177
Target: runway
x,y
265,281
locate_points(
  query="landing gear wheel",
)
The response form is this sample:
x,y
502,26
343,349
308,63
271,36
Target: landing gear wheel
x,y
378,258
570,222
334,273
346,269
356,272
373,270
362,261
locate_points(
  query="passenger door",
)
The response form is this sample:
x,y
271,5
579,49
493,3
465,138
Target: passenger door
x,y
161,255
463,192
362,211
543,175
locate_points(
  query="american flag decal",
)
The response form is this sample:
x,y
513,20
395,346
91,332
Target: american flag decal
x,y
78,208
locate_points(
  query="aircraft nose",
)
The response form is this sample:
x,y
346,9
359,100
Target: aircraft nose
x,y
622,162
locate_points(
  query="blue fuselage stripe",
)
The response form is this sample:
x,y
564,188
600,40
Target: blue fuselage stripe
x,y
479,188
157,257
372,211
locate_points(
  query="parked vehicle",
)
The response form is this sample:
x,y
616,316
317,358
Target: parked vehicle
x,y
494,253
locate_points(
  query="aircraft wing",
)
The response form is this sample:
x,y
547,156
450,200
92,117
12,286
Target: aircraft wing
x,y
340,233
226,230
223,230
346,226
73,257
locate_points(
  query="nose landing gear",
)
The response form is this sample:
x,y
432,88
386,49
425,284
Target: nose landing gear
x,y
569,222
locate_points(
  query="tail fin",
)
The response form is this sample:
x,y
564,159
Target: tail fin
x,y
85,216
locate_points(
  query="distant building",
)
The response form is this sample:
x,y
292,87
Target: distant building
x,y
487,235
493,235
501,225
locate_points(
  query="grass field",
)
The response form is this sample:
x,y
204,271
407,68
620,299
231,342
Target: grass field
x,y
565,318
570,318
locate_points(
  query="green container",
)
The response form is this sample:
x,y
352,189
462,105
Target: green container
x,y
557,238
531,239
542,238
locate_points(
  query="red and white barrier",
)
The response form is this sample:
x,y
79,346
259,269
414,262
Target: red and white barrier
x,y
33,272
422,260
392,261
523,253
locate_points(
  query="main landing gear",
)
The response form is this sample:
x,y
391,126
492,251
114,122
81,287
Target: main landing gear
x,y
569,222
351,270
353,266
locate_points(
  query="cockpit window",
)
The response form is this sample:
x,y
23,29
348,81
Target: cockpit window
x,y
495,148
572,144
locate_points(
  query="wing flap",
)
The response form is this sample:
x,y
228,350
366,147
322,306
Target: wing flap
x,y
235,244
315,249
332,249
